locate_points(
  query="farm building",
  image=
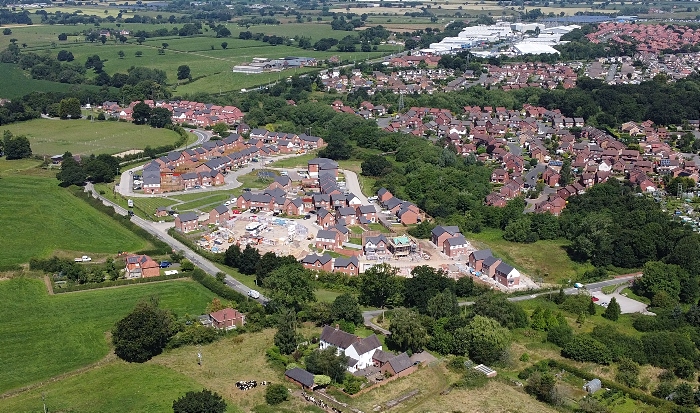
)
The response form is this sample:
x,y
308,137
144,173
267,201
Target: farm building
x,y
300,377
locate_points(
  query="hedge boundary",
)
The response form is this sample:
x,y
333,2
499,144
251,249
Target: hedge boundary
x,y
118,283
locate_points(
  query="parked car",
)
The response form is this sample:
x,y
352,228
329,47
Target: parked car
x,y
254,294
84,258
165,264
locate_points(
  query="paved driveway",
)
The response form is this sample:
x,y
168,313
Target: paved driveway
x,y
627,305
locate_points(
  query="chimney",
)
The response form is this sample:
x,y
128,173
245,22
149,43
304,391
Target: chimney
x,y
337,326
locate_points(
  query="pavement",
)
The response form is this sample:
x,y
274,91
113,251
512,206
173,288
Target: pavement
x,y
627,305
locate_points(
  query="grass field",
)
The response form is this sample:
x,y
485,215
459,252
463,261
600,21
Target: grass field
x,y
15,83
54,136
42,336
38,218
547,259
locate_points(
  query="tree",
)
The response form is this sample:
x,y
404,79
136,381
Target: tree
x,y
660,277
375,165
248,261
592,308
200,402
585,348
232,256
138,53
327,362
183,72
425,282
290,286
286,335
101,168
165,45
613,310
488,341
220,129
141,113
379,286
627,372
224,45
7,32
16,147
542,386
69,108
276,394
71,173
160,118
345,307
121,54
407,332
62,37
143,333
443,304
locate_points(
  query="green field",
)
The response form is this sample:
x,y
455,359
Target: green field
x,y
15,83
140,388
42,336
39,218
55,136
546,258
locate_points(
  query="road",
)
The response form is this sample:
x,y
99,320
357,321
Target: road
x,y
196,259
611,73
533,173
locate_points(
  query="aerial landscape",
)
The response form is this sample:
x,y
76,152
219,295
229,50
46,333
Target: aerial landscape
x,y
350,206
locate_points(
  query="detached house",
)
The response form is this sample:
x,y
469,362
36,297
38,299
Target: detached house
x,y
186,222
141,266
358,350
227,319
219,215
318,262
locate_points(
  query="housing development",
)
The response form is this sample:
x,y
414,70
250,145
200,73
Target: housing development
x,y
350,207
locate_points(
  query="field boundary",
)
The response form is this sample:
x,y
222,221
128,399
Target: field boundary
x,y
101,286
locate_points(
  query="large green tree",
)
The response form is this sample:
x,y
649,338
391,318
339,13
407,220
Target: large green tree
x,y
380,286
407,331
327,362
141,113
16,147
143,333
345,307
443,304
69,108
160,118
488,341
613,310
290,286
199,402
71,173
375,165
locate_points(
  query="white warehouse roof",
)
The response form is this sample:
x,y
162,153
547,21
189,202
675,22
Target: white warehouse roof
x,y
534,48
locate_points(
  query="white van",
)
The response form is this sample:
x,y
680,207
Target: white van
x,y
253,294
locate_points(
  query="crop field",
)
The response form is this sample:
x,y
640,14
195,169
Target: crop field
x,y
42,336
38,219
54,136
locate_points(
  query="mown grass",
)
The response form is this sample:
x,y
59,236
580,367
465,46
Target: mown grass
x,y
38,218
82,137
17,165
546,258
42,336
205,203
301,161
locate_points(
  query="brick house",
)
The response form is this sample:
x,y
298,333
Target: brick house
x,y
326,240
476,259
442,233
219,215
455,246
318,262
141,266
507,275
488,266
227,319
186,222
324,218
293,206
367,212
384,195
349,266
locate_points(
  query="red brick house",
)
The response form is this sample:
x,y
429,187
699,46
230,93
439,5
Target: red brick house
x,y
476,259
186,222
227,319
141,266
318,262
219,215
327,240
455,246
442,233
348,266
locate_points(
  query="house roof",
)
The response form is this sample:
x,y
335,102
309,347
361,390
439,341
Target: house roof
x,y
226,314
439,230
504,268
324,234
221,209
400,363
312,258
188,216
337,337
382,356
341,262
490,260
300,375
367,344
481,254
456,240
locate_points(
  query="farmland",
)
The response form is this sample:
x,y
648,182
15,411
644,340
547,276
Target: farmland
x,y
82,137
42,336
15,83
38,218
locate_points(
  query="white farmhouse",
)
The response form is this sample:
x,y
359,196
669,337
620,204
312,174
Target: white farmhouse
x,y
358,350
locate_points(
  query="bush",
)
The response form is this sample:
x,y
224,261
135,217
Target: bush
x,y
472,379
560,335
197,402
586,348
276,394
